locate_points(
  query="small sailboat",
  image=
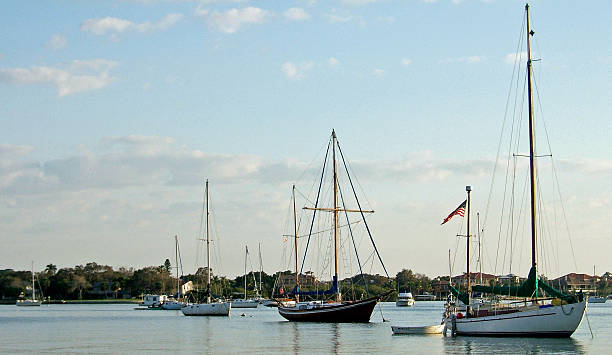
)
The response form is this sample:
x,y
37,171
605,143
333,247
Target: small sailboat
x,y
30,301
595,298
336,311
208,308
556,316
175,303
244,302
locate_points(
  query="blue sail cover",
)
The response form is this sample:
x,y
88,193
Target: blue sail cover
x,y
331,291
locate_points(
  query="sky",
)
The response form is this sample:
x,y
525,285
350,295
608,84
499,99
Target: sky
x,y
113,113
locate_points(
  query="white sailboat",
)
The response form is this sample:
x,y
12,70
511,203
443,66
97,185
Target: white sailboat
x,y
30,301
175,303
558,316
208,308
244,302
595,298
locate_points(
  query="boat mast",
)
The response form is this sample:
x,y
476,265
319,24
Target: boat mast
x,y
479,247
178,282
467,234
338,297
207,249
534,253
33,288
260,271
246,254
297,278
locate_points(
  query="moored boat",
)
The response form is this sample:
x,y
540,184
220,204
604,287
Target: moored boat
x,y
404,299
30,302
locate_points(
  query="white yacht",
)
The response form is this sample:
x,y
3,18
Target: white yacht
x,y
404,299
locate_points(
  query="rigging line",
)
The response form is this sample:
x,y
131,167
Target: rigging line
x,y
361,211
304,196
514,71
322,231
199,236
314,213
353,240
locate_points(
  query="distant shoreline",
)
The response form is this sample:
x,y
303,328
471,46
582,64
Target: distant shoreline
x,y
110,301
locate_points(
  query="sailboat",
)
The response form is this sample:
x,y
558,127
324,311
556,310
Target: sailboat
x,y
557,316
33,301
244,302
595,298
175,304
208,308
336,311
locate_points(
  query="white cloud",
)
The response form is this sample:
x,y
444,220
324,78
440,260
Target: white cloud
x,y
296,14
296,71
232,20
358,2
57,42
378,72
469,60
79,76
114,25
333,62
513,57
406,61
334,17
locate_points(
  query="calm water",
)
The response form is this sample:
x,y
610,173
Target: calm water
x,y
121,329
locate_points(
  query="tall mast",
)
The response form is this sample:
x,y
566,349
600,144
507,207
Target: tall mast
x,y
534,254
295,238
467,234
178,282
260,271
207,248
335,216
33,288
479,247
245,273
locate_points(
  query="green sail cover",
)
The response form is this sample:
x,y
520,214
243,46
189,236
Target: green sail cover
x,y
463,297
529,288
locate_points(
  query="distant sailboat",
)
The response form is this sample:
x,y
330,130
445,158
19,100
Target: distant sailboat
x,y
595,298
30,301
208,308
175,303
334,311
558,316
244,302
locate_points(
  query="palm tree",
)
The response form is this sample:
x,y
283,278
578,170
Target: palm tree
x,y
51,269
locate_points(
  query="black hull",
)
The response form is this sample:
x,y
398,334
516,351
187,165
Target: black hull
x,y
519,334
347,312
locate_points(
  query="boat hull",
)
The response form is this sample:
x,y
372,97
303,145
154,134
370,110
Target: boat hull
x,y
597,299
404,303
28,303
347,312
172,305
431,329
245,304
207,309
544,321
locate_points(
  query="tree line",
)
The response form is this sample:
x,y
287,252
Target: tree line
x,y
95,281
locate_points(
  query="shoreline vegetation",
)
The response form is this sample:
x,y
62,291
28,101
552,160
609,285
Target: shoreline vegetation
x,y
93,283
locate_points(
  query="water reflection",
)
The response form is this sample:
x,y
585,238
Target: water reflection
x,y
484,345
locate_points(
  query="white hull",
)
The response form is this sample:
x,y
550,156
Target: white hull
x,y
245,304
207,309
172,305
534,321
597,299
404,303
431,329
28,303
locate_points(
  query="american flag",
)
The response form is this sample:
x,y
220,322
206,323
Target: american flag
x,y
458,211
